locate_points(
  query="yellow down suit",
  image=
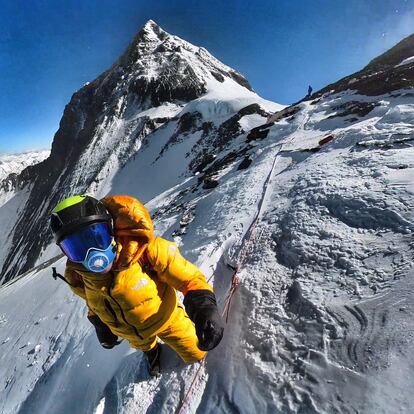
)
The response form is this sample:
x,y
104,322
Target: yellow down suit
x,y
137,299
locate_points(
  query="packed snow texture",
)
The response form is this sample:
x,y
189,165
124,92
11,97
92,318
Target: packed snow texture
x,y
321,321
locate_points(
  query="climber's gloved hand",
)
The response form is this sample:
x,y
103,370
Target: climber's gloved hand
x,y
201,307
106,338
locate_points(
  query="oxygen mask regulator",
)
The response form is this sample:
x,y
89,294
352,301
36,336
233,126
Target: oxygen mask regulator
x,y
100,261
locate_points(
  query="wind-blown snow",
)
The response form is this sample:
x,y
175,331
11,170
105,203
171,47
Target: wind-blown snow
x,y
321,322
223,99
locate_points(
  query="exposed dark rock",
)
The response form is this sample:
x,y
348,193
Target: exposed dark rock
x,y
354,108
187,217
221,163
231,128
316,101
217,76
139,44
253,109
160,120
284,113
218,138
240,79
207,127
209,183
244,164
395,55
314,149
228,130
10,183
257,133
212,137
189,122
204,161
391,143
323,141
167,88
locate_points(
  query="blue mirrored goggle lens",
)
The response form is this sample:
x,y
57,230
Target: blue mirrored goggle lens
x,y
76,245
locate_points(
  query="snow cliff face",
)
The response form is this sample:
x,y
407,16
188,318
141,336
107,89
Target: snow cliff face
x,y
321,321
160,83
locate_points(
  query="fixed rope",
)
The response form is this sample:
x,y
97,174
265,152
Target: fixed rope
x,y
40,266
247,243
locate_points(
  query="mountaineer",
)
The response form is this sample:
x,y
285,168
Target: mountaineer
x,y
128,278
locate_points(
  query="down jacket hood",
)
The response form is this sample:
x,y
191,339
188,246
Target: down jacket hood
x,y
133,228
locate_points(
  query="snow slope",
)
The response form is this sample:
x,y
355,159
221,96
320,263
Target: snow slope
x,y
321,321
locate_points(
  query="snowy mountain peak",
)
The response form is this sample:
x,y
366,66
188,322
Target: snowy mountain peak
x,y
161,85
169,68
11,170
311,213
152,30
15,163
149,34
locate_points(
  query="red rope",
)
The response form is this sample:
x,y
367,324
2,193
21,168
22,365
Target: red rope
x,y
235,282
235,279
184,400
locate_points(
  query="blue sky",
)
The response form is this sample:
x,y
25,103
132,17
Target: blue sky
x,y
49,48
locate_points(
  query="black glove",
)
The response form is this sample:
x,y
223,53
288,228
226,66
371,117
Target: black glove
x,y
106,338
202,309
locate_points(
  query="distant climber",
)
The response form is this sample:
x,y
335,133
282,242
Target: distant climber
x,y
128,278
310,90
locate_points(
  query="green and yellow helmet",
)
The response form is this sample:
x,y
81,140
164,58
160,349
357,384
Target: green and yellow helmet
x,y
75,213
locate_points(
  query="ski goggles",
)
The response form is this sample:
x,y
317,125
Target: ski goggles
x,y
77,246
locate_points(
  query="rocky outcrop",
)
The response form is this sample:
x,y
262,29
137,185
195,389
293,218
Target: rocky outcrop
x,y
389,72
